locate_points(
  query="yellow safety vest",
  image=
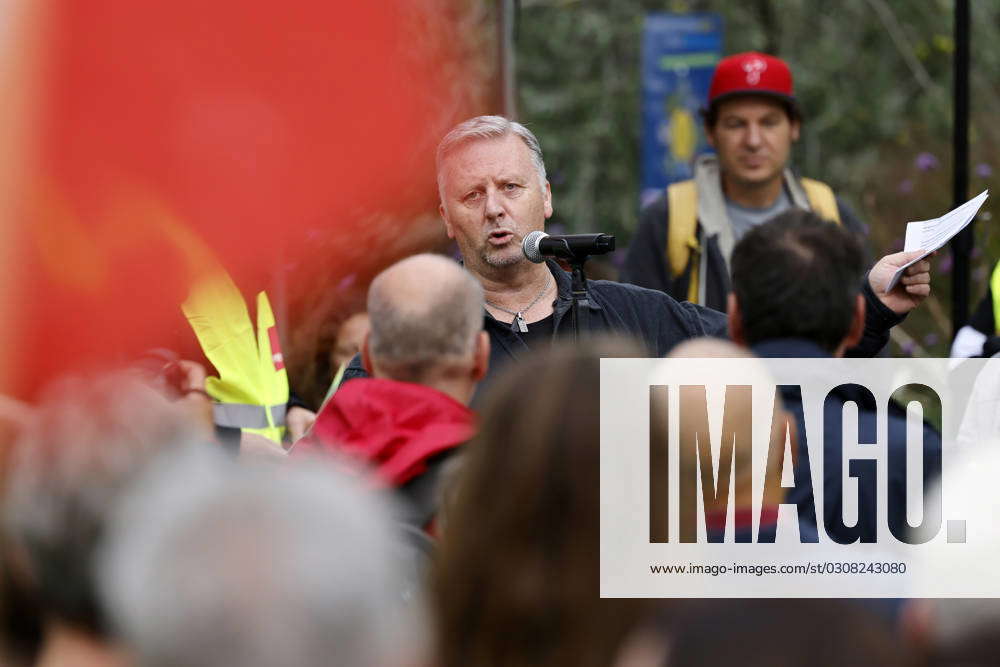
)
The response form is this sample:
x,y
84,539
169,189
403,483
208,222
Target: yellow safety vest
x,y
251,392
682,227
995,288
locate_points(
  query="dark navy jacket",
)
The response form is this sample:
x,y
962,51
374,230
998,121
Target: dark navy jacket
x,y
653,318
829,508
650,317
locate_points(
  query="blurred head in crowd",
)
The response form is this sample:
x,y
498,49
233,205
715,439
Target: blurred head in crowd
x,y
742,417
350,336
20,615
517,577
752,119
85,443
20,618
741,469
779,633
491,179
954,632
798,276
13,416
961,632
427,326
709,348
213,563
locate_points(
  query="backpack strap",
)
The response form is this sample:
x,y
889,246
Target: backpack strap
x,y
682,224
821,199
682,232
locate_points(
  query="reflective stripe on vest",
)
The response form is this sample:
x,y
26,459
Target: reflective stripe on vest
x,y
995,288
244,415
252,374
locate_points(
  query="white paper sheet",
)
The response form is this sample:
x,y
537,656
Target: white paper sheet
x,y
929,235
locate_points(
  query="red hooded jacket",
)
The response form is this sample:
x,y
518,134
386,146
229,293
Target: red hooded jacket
x,y
395,427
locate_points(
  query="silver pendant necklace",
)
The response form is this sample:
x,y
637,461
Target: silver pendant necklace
x,y
518,324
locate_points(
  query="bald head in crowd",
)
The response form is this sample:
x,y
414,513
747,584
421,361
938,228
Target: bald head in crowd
x,y
427,326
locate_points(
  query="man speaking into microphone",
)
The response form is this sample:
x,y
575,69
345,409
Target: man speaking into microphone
x,y
494,193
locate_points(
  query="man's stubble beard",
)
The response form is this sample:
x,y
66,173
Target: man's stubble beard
x,y
500,260
505,257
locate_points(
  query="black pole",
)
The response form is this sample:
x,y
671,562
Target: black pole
x,y
961,245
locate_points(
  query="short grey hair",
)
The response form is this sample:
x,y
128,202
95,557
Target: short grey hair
x,y
490,127
417,323
213,563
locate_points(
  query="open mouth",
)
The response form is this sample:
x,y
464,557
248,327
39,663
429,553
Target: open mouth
x,y
501,236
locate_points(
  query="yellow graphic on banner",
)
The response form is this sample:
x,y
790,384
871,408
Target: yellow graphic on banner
x,y
683,134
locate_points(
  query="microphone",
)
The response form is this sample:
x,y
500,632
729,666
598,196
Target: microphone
x,y
539,245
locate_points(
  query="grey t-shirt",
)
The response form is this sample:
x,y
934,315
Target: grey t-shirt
x,y
743,219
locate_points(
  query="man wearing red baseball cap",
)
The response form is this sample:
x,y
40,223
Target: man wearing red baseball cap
x,y
685,237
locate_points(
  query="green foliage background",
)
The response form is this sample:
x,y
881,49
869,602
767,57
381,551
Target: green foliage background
x,y
874,78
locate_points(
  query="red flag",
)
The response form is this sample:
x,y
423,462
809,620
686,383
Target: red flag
x,y
174,134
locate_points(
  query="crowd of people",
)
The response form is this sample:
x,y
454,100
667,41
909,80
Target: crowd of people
x,y
441,507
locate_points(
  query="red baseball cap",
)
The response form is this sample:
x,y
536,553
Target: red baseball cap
x,y
751,73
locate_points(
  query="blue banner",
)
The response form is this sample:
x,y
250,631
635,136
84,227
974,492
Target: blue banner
x,y
679,53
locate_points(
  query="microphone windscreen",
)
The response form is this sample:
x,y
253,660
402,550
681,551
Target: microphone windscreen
x,y
530,246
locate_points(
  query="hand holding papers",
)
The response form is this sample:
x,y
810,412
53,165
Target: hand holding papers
x,y
930,235
913,287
